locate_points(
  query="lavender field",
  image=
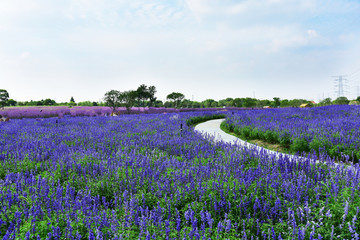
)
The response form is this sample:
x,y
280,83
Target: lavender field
x,y
150,176
332,131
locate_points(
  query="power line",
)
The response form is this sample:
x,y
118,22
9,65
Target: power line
x,y
340,83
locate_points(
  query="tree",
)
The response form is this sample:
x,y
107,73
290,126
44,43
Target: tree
x,y
297,102
11,103
249,102
4,96
152,98
237,102
195,104
208,103
324,102
112,99
186,103
263,103
175,97
85,103
142,94
72,99
127,99
284,103
276,102
48,102
341,101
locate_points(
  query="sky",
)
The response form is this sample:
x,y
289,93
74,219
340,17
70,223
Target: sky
x,y
201,48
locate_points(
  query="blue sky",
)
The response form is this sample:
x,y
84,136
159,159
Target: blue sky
x,y
202,48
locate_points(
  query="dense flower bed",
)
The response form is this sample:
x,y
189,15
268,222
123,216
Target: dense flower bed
x,y
145,177
60,111
331,130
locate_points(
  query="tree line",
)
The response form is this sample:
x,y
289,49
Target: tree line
x,y
144,96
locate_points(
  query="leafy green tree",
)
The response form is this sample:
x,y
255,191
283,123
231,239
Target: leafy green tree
x,y
176,98
152,98
297,102
186,103
208,103
195,104
169,104
249,102
326,101
341,101
158,103
11,103
85,103
72,99
142,94
128,99
238,102
276,102
284,103
263,103
113,99
4,96
48,102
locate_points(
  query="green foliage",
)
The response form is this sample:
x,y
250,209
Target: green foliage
x,y
316,144
276,102
209,103
196,120
341,101
271,136
176,97
285,140
4,96
299,145
113,99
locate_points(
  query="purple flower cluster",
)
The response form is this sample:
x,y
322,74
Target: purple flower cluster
x,y
144,177
330,130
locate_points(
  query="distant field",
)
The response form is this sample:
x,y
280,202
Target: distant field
x,y
150,176
60,111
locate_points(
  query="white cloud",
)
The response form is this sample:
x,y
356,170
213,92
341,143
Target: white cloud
x,y
237,9
200,6
312,33
25,55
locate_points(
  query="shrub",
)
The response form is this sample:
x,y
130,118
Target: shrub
x,y
299,145
271,137
285,140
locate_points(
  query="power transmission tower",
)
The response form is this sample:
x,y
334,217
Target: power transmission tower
x,y
340,85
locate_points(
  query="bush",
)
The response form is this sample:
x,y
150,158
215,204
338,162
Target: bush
x,y
196,120
245,132
254,134
299,145
318,145
285,140
271,137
